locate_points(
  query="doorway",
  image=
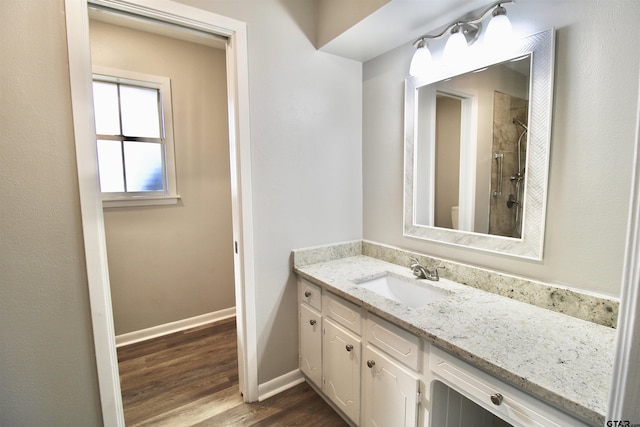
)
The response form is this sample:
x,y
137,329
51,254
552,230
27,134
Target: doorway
x,y
170,265
90,200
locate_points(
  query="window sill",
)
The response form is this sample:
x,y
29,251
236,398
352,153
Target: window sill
x,y
140,201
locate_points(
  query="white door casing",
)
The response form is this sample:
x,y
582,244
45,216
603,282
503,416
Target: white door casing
x,y
77,23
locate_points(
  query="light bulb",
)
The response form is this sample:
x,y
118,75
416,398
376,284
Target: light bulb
x,y
456,46
421,61
499,31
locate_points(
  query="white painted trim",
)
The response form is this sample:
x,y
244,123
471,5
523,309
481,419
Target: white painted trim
x,y
542,47
172,327
280,384
242,207
77,23
624,392
140,201
76,15
468,162
162,84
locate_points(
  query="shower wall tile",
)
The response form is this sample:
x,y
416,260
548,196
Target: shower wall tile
x,y
506,108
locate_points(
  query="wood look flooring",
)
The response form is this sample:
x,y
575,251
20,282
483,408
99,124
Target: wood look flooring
x,y
190,378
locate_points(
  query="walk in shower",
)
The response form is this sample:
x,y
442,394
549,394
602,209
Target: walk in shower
x,y
508,170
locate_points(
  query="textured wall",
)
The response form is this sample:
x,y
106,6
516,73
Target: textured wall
x,y
592,142
47,366
168,263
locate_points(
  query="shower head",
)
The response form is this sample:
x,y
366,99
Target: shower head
x,y
518,122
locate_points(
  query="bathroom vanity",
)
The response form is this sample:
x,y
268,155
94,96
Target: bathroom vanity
x,y
381,360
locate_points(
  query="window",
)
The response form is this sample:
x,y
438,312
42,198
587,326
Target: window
x,y
134,138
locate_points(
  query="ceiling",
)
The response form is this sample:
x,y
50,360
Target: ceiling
x,y
399,22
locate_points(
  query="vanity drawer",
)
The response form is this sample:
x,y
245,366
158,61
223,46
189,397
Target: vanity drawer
x,y
310,294
393,340
507,402
343,312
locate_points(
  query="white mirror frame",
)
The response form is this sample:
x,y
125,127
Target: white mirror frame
x,y
541,48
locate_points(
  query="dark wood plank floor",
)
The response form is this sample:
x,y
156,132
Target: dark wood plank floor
x,y
190,378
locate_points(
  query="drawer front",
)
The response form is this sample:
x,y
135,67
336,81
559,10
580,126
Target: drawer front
x,y
343,312
512,405
310,294
396,342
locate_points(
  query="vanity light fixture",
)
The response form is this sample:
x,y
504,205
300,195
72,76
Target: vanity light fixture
x,y
463,33
421,59
499,29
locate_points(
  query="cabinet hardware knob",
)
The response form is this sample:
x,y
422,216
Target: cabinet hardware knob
x,y
371,363
307,294
496,399
349,347
312,322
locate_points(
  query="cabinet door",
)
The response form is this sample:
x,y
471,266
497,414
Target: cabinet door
x,y
341,353
311,344
390,392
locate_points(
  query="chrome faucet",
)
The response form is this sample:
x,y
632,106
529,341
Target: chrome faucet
x,y
422,272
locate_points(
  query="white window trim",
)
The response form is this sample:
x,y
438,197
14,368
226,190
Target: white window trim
x,y
171,196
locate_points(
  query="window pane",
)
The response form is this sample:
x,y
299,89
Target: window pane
x,y
110,164
143,163
139,111
105,104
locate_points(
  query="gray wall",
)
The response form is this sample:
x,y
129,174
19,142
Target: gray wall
x,y
168,263
593,138
47,365
306,146
308,178
306,132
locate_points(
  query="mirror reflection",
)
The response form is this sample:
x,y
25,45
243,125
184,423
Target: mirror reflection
x,y
473,131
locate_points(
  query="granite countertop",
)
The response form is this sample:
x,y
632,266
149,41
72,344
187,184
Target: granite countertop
x,y
560,359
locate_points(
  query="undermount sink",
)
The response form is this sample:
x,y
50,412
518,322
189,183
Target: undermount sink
x,y
410,292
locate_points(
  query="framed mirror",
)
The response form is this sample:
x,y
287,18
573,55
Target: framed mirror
x,y
477,143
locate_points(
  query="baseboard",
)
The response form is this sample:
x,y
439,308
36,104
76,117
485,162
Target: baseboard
x,y
279,384
177,326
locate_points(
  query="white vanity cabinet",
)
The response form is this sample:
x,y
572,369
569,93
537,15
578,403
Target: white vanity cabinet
x,y
310,331
341,357
342,354
391,378
379,374
482,395
383,392
310,339
390,392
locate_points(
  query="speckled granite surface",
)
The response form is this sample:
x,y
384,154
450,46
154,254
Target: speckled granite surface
x,y
560,359
594,308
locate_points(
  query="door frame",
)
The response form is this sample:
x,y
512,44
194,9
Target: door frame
x,y
624,393
78,44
